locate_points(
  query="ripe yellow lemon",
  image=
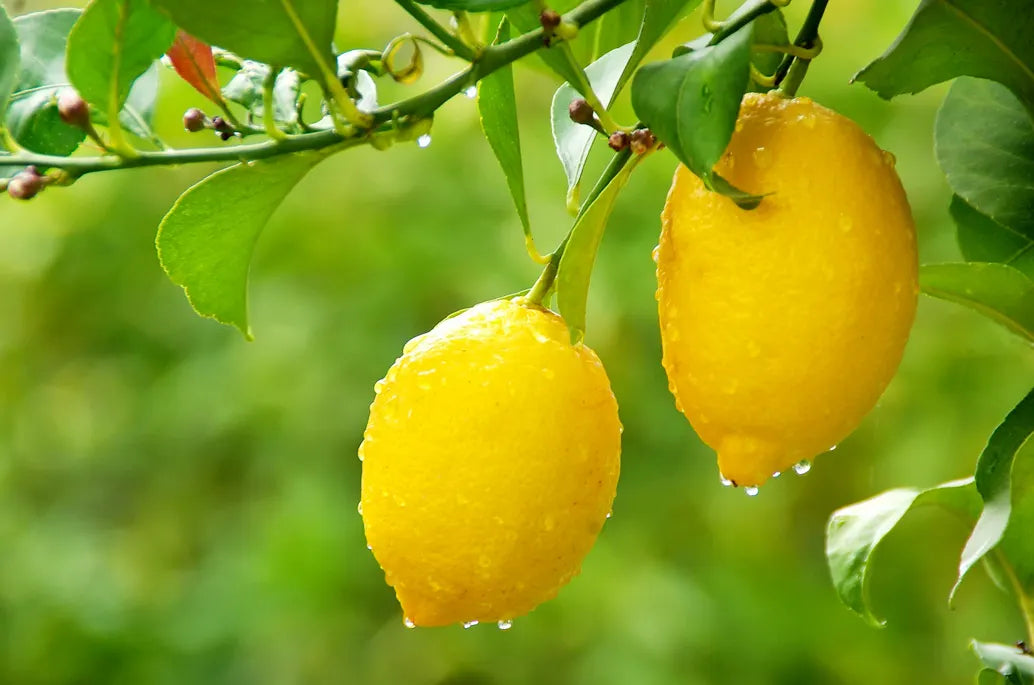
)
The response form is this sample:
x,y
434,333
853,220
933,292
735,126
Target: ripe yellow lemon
x,y
490,463
781,326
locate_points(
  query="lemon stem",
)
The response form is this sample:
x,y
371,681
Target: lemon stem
x,y
792,70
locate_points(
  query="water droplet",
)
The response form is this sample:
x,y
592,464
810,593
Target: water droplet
x,y
762,157
469,624
777,474
471,92
540,337
369,547
360,508
505,624
807,119
888,158
802,467
751,490
609,514
423,141
833,448
408,622
725,481
656,254
739,126
378,386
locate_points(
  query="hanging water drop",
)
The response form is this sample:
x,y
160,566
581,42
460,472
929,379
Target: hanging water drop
x,y
469,624
802,467
505,624
471,92
832,448
423,141
408,622
751,490
777,474
360,508
725,481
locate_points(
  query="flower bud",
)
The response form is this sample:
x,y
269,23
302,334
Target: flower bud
x,y
73,110
26,184
194,120
618,141
581,112
642,140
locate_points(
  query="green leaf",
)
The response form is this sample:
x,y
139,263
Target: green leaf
x,y
997,291
574,141
982,239
658,18
855,532
769,29
575,270
993,483
1017,542
472,5
9,59
1017,667
32,116
949,38
984,140
287,33
113,43
206,240
691,102
497,106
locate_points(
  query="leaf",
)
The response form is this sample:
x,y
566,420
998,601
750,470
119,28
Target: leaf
x,y
575,270
133,35
9,59
993,484
982,239
206,240
32,116
691,102
997,291
658,17
574,141
949,38
497,106
247,85
855,532
984,141
1009,661
193,61
292,33
769,29
472,5
1017,542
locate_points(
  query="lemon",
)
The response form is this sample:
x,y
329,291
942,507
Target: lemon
x,y
490,463
781,326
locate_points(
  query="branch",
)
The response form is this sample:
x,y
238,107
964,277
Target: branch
x,y
458,47
384,118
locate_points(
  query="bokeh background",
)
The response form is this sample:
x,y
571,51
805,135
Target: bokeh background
x,y
179,506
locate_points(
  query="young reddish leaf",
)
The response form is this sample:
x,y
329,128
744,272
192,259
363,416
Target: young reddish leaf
x,y
192,59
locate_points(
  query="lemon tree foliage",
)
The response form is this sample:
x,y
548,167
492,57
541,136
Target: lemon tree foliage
x,y
276,94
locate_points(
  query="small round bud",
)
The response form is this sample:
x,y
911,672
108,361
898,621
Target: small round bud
x,y
73,110
194,120
618,141
550,19
642,140
26,184
566,30
581,112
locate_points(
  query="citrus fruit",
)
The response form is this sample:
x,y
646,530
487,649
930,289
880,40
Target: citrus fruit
x,y
490,463
781,326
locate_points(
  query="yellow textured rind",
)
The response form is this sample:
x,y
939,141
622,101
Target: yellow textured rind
x,y
490,463
781,326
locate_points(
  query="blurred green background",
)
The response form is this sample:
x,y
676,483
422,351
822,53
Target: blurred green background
x,y
179,506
